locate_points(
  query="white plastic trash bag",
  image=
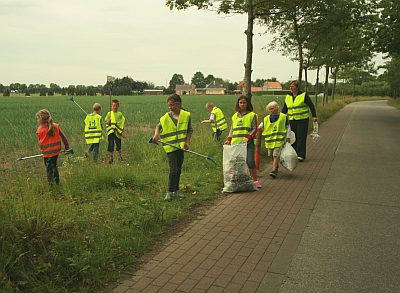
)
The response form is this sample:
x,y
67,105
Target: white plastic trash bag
x,y
237,176
288,157
292,137
314,135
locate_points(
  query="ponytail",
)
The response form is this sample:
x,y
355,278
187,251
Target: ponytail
x,y
45,117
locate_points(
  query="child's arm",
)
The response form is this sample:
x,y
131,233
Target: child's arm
x,y
253,133
64,140
288,130
229,138
210,120
156,135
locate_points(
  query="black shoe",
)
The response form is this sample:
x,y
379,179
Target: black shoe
x,y
273,173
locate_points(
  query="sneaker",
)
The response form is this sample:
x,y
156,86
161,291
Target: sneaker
x,y
257,184
300,159
178,194
273,173
168,196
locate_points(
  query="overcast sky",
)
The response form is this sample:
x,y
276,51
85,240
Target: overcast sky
x,y
83,41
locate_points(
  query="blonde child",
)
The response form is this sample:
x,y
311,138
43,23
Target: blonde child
x,y
244,129
175,128
115,122
276,130
217,120
49,139
94,131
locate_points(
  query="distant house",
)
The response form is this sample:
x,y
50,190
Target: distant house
x,y
153,92
240,88
185,89
211,89
272,86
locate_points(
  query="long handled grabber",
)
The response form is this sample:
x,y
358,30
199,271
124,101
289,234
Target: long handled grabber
x,y
209,158
72,99
68,152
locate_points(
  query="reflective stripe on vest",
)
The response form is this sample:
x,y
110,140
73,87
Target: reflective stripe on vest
x,y
50,146
219,120
275,133
93,129
174,134
241,126
116,123
297,109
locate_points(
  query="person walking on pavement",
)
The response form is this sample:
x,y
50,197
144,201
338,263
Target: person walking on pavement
x,y
174,128
275,130
93,132
243,129
115,122
49,138
217,120
297,106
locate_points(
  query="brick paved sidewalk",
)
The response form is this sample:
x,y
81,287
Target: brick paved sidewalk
x,y
246,242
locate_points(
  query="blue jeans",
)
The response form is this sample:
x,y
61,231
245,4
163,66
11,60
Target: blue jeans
x,y
94,147
175,160
111,139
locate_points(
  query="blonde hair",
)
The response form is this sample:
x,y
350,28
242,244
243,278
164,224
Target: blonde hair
x,y
272,104
45,117
96,107
209,105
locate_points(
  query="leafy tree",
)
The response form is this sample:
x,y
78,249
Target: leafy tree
x,y
209,79
175,80
1,88
387,36
260,82
71,90
198,80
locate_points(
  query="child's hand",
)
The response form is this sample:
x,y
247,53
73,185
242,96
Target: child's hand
x,y
155,140
186,146
227,142
245,139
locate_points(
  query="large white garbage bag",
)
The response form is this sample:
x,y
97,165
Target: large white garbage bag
x,y
288,157
236,173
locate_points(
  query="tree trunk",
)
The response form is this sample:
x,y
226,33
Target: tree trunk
x,y
326,84
354,88
334,82
300,49
249,53
317,87
306,78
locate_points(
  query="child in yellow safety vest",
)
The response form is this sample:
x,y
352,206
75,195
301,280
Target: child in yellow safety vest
x,y
115,122
174,128
94,131
49,138
244,129
217,120
275,130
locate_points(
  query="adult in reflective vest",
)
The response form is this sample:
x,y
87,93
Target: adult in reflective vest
x,y
174,128
217,120
93,131
115,122
297,106
276,129
244,129
49,139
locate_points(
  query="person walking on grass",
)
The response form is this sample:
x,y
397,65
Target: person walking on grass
x,y
175,128
296,107
244,129
275,130
115,122
217,120
49,138
93,132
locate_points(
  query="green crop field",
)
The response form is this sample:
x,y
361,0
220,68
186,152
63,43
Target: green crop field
x,y
84,233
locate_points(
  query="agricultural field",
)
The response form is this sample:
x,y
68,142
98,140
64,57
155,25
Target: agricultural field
x,y
84,233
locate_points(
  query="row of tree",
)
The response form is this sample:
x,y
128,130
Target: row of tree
x,y
339,36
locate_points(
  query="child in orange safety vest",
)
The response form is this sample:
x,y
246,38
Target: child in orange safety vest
x,y
49,139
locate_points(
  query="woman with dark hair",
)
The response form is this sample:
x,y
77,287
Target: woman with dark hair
x,y
244,129
297,106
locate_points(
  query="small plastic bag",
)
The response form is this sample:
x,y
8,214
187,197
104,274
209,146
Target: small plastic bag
x,y
236,173
292,137
288,157
314,135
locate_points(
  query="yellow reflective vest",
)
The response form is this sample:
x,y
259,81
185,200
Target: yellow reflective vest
x,y
172,133
93,129
219,120
116,122
297,109
275,133
241,126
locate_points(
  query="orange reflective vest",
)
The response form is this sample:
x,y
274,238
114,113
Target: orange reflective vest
x,y
50,146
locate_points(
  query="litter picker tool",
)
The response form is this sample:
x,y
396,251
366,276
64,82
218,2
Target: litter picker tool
x,y
68,152
209,158
72,99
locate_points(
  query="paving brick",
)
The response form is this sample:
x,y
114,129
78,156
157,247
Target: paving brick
x,y
204,283
187,285
143,283
223,280
178,278
198,273
168,288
